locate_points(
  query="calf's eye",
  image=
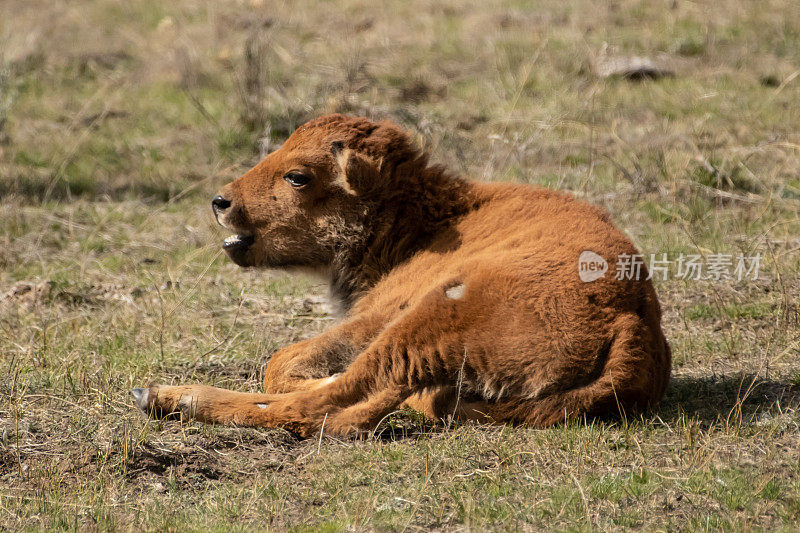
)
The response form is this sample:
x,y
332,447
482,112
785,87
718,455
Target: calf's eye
x,y
297,179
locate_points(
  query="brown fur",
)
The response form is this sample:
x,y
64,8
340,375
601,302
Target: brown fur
x,y
446,286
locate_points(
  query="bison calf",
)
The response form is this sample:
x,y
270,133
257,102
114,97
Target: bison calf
x,y
458,298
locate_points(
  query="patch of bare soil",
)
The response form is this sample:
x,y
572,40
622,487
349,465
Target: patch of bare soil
x,y
230,454
27,294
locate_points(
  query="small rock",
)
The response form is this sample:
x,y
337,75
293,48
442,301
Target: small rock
x,y
631,68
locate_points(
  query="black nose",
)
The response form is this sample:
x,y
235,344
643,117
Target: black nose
x,y
218,202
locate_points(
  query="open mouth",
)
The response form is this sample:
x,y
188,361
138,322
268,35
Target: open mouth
x,y
236,242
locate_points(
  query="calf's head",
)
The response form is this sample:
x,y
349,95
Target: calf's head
x,y
309,199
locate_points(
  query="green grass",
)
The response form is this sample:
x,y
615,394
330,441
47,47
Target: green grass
x,y
118,122
732,310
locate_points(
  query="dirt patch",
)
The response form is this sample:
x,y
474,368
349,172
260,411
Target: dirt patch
x,y
230,454
27,294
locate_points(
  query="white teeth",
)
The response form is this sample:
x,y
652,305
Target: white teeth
x,y
236,241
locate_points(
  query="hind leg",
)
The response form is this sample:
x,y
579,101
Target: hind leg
x,y
634,377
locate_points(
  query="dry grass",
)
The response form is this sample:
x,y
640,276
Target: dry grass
x,y
119,120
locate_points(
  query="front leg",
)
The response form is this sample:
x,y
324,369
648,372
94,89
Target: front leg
x,y
203,403
297,412
311,363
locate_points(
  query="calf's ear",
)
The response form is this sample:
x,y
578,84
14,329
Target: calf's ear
x,y
358,174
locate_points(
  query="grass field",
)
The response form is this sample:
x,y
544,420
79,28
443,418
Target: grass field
x,y
118,121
